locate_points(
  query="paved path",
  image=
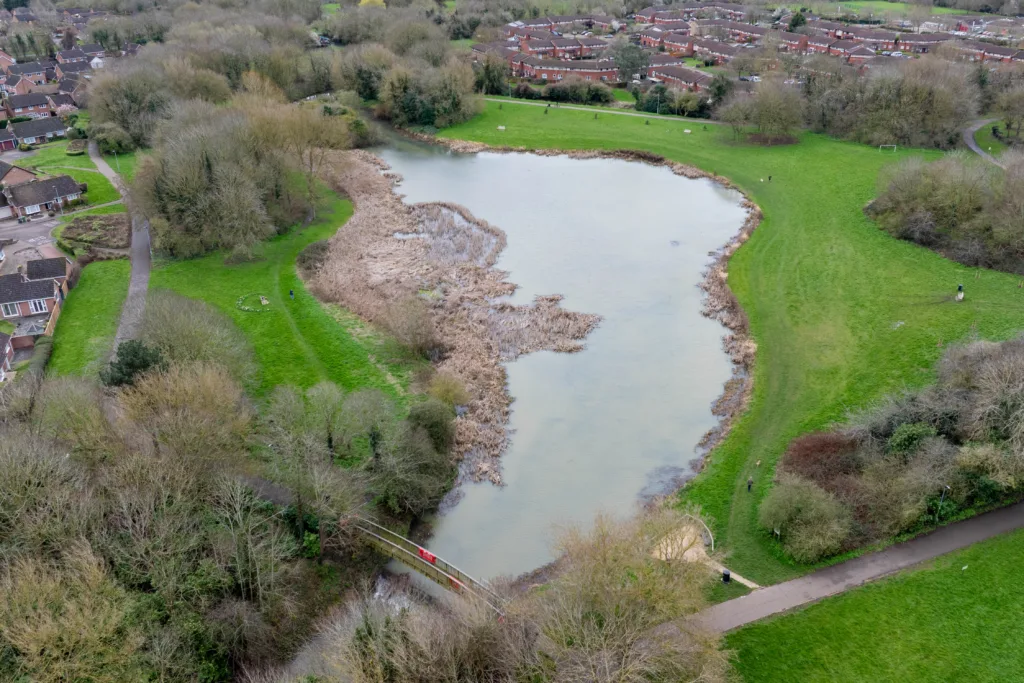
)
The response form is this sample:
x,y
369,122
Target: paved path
x,y
135,303
842,577
604,110
970,141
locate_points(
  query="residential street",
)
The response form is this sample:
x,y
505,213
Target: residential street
x,y
28,239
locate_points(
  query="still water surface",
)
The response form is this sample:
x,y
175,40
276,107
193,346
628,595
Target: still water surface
x,y
595,430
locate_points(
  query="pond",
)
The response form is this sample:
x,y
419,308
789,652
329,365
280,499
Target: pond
x,y
602,429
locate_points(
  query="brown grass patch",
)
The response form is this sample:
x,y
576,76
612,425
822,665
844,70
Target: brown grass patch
x,y
109,231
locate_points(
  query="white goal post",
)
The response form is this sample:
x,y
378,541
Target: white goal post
x,y
882,148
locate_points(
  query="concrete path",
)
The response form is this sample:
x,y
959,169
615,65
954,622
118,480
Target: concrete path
x,y
604,110
970,141
842,577
135,303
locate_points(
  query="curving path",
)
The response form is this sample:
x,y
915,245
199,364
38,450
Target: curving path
x,y
973,144
135,303
839,578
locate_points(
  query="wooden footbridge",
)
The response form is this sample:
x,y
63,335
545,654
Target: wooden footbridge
x,y
426,563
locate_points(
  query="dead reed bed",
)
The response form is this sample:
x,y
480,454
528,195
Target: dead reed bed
x,y
389,252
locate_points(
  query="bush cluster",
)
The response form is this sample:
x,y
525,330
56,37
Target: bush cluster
x,y
909,462
965,208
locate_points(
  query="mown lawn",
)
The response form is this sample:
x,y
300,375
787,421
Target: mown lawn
x,y
823,287
87,325
867,7
623,95
54,154
957,619
124,164
988,142
298,341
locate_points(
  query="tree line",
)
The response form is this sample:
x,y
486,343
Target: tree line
x,y
144,535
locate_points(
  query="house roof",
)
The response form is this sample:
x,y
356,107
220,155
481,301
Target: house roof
x,y
47,268
14,288
73,53
716,47
5,339
92,48
42,191
74,67
682,74
69,84
27,68
33,99
6,135
37,127
844,45
12,81
5,168
924,37
60,99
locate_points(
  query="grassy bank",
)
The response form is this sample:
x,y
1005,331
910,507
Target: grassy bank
x,y
954,620
88,323
298,341
841,312
123,164
988,142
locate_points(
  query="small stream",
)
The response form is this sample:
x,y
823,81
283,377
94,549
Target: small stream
x,y
618,422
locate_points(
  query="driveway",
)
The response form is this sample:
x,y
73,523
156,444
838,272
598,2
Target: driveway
x,y
23,241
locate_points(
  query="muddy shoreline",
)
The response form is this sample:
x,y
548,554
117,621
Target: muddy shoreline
x,y
370,267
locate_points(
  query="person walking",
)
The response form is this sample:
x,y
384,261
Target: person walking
x,y
291,293
750,483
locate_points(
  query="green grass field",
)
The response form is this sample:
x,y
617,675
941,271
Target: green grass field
x,y
330,8
867,7
88,323
123,164
988,142
298,342
462,44
54,154
823,287
937,624
51,159
623,95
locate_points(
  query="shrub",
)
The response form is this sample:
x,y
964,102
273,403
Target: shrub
x,y
196,411
409,475
133,358
811,522
312,257
186,330
448,388
822,457
412,325
70,410
437,419
41,355
526,91
112,138
908,437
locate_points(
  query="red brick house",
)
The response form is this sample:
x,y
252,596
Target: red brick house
x,y
30,71
874,39
57,269
652,37
6,59
34,105
32,305
793,42
16,85
7,140
859,55
714,50
557,70
678,44
73,55
38,130
15,175
544,48
681,76
38,196
921,43
72,68
819,44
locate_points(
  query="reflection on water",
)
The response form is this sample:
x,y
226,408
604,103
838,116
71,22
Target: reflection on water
x,y
593,430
